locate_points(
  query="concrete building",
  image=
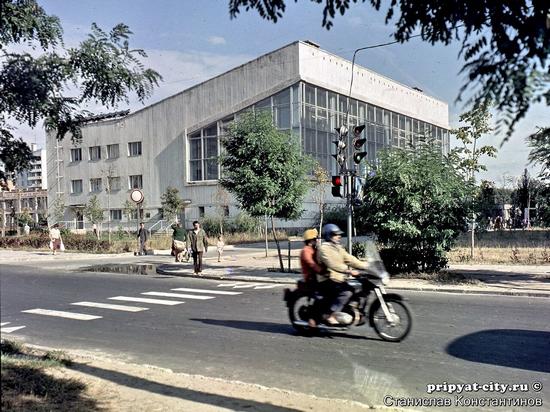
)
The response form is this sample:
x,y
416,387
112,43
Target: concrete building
x,y
175,142
36,176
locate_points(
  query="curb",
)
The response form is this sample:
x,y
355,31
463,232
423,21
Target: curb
x,y
288,281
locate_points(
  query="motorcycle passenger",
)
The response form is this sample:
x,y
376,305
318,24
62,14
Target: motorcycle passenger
x,y
332,282
308,261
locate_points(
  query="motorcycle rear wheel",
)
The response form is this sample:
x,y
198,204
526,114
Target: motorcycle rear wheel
x,y
391,331
298,312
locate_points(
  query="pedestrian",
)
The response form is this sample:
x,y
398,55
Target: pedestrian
x,y
56,242
197,241
143,237
219,247
26,229
179,248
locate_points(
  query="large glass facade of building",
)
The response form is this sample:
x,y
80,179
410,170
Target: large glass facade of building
x,y
314,113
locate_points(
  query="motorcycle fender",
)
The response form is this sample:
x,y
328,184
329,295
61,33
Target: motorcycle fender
x,y
289,296
387,296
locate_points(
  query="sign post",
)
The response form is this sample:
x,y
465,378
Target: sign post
x,y
136,195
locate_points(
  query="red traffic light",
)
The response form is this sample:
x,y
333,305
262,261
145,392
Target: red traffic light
x,y
357,130
337,182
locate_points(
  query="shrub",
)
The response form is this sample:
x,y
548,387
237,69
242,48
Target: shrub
x,y
334,214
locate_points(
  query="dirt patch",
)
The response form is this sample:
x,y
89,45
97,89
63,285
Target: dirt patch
x,y
88,382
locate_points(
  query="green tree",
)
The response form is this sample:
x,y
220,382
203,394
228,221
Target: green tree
x,y
416,203
467,157
525,195
485,201
264,170
171,203
540,151
93,210
505,43
54,85
56,212
24,218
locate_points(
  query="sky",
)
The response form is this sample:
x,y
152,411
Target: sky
x,y
190,41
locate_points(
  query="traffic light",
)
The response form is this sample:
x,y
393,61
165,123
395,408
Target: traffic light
x,y
358,143
341,145
337,183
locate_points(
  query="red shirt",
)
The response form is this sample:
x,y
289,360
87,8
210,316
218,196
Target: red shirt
x,y
310,267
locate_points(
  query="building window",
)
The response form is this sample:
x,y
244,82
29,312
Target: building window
x,y
76,155
134,149
201,211
95,185
112,151
116,214
203,154
76,186
135,182
95,153
114,184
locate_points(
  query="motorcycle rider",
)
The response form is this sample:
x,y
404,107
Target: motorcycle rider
x,y
308,261
332,282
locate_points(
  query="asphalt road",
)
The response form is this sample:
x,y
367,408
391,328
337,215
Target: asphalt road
x,y
247,337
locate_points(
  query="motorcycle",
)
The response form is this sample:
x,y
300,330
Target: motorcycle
x,y
387,313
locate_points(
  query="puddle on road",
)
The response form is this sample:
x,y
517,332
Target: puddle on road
x,y
124,268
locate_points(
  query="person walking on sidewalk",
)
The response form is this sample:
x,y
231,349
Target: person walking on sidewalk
x,y
56,242
179,248
219,247
197,241
142,236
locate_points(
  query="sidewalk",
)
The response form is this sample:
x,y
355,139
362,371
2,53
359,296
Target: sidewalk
x,y
512,280
250,264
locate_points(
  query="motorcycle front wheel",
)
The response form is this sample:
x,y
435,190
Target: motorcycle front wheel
x,y
401,325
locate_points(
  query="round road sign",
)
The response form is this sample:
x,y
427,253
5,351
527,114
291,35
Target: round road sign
x,y
136,195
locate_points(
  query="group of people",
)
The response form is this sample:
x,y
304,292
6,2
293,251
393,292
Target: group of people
x,y
326,267
193,243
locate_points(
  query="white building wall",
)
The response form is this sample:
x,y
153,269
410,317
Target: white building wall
x,y
331,72
163,127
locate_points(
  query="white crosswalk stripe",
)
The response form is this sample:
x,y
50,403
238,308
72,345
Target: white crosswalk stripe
x,y
4,323
109,306
146,300
61,314
223,285
10,329
249,285
267,287
212,292
178,295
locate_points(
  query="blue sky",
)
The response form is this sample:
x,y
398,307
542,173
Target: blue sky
x,y
190,41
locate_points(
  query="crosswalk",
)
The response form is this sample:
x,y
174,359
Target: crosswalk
x,y
144,301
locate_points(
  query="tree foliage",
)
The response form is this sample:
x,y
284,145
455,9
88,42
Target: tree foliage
x,y
264,169
171,203
467,157
416,203
93,210
55,84
505,43
540,151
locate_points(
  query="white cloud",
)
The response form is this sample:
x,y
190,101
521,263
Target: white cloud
x,y
216,40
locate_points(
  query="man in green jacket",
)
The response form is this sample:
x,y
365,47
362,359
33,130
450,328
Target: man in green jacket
x,y
198,242
179,247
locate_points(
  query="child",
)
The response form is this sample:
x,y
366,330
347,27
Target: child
x,y
219,247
